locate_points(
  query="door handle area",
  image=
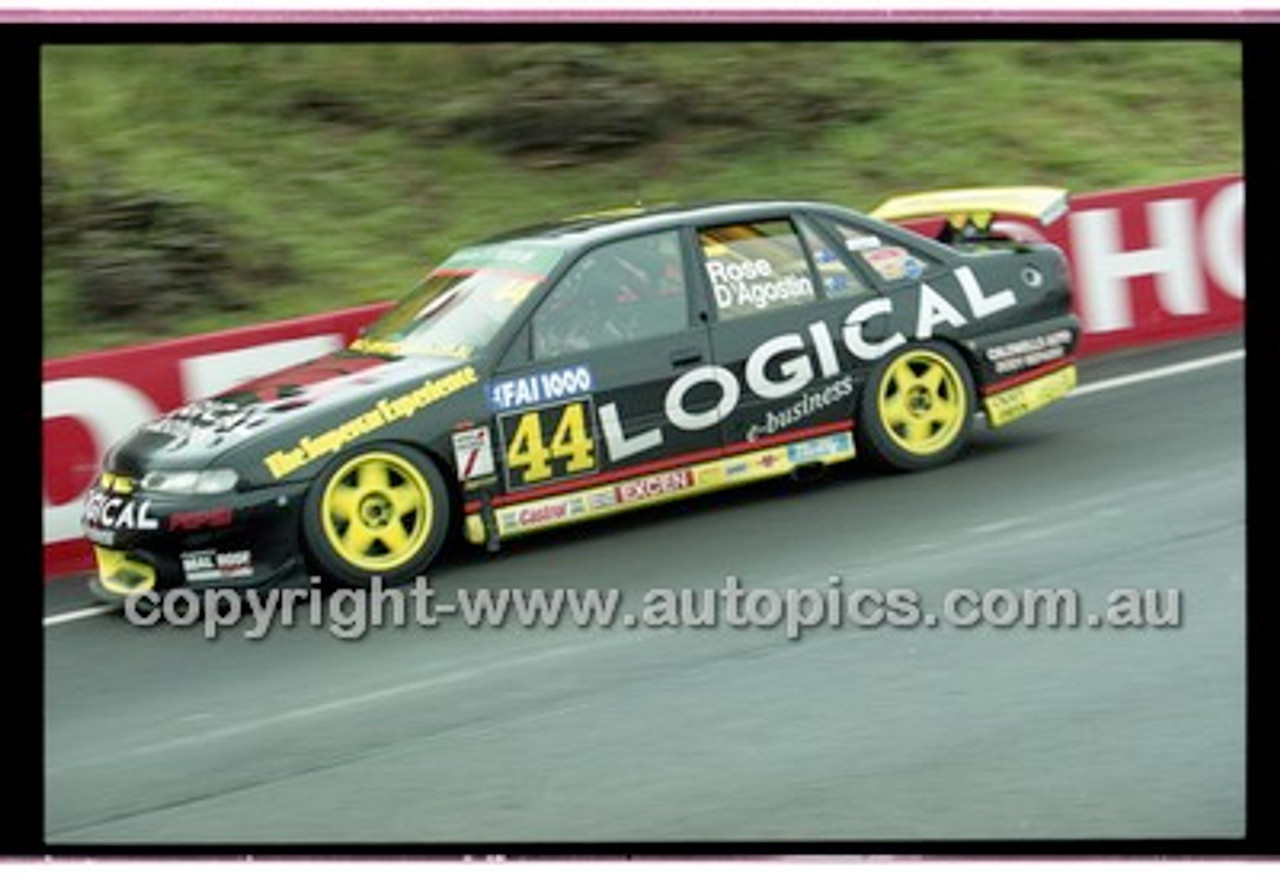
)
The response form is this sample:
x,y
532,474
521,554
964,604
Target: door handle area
x,y
686,356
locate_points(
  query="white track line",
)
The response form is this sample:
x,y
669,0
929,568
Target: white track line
x,y
76,615
1152,374
425,684
1081,391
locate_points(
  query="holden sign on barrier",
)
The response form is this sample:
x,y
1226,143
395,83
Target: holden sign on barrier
x,y
1157,263
94,400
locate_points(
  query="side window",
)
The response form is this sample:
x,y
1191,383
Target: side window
x,y
755,267
890,261
839,278
622,292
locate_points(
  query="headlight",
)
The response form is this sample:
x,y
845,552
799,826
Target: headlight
x,y
190,482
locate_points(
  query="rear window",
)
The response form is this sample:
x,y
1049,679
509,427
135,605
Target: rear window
x,y
889,261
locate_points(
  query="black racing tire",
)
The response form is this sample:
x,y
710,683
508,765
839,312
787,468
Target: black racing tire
x,y
916,410
382,510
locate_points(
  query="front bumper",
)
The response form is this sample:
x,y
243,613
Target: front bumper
x,y
144,542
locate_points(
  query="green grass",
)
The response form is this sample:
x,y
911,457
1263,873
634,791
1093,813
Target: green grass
x,y
359,206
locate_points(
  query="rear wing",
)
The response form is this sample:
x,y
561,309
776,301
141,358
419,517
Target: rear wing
x,y
971,212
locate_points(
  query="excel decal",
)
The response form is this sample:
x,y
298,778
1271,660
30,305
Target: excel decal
x,y
549,444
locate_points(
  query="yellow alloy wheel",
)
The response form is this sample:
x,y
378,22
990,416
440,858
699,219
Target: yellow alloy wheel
x,y
922,402
377,511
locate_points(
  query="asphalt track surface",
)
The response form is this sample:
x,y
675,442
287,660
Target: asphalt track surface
x,y
617,735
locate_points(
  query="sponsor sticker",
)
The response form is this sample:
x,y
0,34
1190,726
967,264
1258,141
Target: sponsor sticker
x,y
893,263
654,486
861,244
107,511
473,453
802,409
208,418
386,348
820,448
711,475
524,257
837,284
211,565
1006,406
533,515
104,537
518,519
1027,353
208,519
602,499
386,411
542,387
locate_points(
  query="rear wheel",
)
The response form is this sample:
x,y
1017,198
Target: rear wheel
x,y
917,409
380,511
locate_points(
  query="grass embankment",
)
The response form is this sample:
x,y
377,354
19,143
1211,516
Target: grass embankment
x,y
332,175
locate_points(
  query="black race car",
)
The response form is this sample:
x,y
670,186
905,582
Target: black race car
x,y
591,366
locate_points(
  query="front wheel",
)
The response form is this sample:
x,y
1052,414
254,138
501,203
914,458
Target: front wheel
x,y
381,511
917,409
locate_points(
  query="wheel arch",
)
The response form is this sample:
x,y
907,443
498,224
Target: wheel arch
x,y
972,363
435,452
885,447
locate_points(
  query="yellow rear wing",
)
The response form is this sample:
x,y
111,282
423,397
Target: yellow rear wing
x,y
979,205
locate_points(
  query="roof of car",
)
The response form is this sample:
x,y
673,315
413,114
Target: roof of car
x,y
637,219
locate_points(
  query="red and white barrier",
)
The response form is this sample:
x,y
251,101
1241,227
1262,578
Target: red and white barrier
x,y
1156,264
94,400
1149,264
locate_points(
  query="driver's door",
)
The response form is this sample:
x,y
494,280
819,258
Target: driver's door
x,y
604,349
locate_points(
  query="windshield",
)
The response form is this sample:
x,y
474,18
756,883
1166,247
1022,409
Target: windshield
x,y
457,309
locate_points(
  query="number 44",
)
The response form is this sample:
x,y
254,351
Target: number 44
x,y
530,452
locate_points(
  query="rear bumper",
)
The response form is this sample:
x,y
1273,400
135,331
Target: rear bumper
x,y
1028,393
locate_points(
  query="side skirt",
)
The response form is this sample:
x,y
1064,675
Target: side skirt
x,y
669,484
